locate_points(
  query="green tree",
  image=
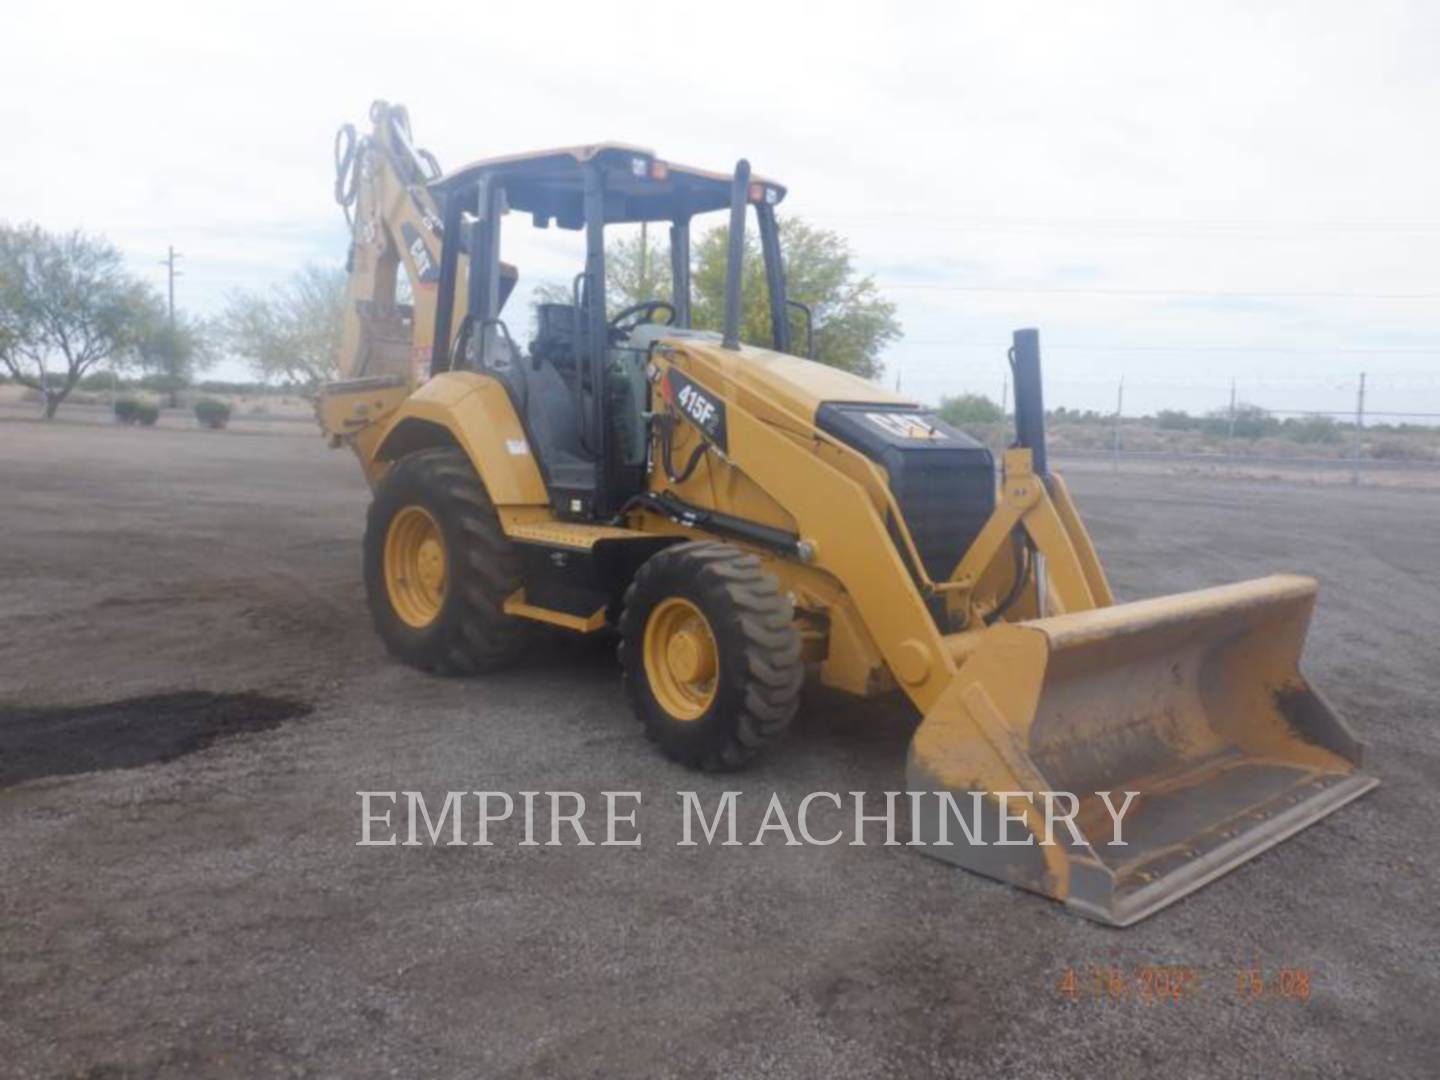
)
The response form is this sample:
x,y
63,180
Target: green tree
x,y
630,278
853,321
967,410
175,354
66,306
637,272
291,333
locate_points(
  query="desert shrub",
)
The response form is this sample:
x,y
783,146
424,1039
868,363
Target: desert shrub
x,y
220,386
970,409
134,411
1176,420
1251,422
212,413
1062,415
1395,449
1312,429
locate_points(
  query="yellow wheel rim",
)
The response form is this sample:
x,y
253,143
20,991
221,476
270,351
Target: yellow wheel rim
x,y
415,566
682,662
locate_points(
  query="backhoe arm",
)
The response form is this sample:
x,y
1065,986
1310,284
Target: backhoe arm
x,y
381,185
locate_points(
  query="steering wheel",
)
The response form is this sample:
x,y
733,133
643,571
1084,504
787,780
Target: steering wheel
x,y
644,312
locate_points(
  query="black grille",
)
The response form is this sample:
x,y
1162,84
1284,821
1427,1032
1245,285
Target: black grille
x,y
943,480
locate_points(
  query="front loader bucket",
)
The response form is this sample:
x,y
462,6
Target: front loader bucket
x,y
1194,702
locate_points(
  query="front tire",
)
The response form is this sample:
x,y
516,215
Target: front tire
x,y
438,567
711,655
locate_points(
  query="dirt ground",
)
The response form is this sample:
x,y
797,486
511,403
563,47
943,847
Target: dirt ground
x,y
192,901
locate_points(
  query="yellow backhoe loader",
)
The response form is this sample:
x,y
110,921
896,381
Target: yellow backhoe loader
x,y
742,514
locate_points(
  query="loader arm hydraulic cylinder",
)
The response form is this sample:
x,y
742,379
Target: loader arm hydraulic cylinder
x,y
1029,398
735,260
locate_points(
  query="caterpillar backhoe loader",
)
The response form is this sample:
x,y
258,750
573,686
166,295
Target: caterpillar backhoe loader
x,y
741,515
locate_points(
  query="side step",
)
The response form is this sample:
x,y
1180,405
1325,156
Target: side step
x,y
575,535
575,572
516,604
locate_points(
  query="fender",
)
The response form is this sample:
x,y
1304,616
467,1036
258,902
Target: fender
x,y
474,412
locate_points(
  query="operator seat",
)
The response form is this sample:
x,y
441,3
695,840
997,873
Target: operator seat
x,y
551,416
557,338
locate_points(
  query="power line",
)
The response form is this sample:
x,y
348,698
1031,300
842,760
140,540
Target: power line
x,y
1208,293
1420,350
985,223
1187,382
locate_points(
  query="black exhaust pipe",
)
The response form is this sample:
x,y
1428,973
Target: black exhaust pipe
x,y
734,264
1029,398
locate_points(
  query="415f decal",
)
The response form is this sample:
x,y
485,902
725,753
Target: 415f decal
x,y
702,408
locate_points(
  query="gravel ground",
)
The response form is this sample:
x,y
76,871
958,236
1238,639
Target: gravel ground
x,y
199,906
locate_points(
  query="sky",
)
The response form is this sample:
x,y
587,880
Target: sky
x,y
1179,194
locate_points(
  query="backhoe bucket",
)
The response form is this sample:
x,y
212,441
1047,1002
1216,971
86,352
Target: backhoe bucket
x,y
1192,702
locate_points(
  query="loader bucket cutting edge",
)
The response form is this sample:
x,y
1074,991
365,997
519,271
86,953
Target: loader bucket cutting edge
x,y
1194,702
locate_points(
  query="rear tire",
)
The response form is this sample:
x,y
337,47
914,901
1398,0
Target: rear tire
x,y
438,567
711,655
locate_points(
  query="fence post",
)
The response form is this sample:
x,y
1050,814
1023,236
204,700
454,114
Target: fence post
x,y
1119,409
1359,424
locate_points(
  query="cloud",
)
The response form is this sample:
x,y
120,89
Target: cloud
x,y
1222,147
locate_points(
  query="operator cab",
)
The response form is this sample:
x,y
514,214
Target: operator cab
x,y
591,444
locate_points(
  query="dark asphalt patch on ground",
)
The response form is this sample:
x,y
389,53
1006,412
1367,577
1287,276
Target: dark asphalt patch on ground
x,y
39,742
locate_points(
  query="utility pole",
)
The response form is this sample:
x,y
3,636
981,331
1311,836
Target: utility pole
x,y
1359,424
1230,435
171,274
1004,394
1119,409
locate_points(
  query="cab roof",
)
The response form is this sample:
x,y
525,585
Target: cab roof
x,y
550,184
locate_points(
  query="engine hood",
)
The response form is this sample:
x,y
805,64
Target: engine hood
x,y
797,385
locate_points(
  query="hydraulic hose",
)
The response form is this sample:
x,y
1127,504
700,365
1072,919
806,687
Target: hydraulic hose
x,y
1025,563
667,431
347,171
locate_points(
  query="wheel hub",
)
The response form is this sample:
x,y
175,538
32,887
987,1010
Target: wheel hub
x,y
691,658
415,566
681,658
431,568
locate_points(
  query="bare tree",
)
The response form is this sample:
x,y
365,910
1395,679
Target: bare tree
x,y
291,333
66,305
